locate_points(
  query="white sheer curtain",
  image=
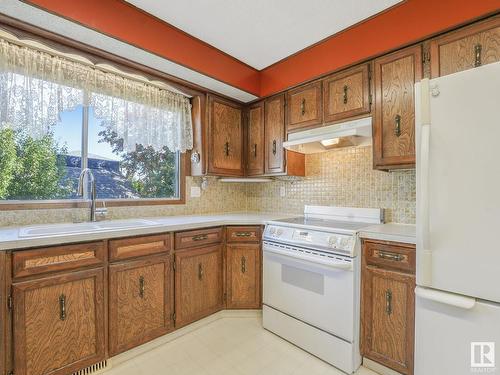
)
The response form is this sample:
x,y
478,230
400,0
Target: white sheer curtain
x,y
35,87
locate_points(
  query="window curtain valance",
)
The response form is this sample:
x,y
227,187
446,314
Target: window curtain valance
x,y
36,86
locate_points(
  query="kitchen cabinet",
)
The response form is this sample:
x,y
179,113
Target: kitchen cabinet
x,y
394,122
140,301
347,94
255,140
198,283
466,48
59,323
279,161
225,138
243,268
388,304
304,107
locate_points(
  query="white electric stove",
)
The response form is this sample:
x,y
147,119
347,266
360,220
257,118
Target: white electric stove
x,y
312,281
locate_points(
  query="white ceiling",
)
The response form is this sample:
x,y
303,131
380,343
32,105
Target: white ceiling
x,y
262,32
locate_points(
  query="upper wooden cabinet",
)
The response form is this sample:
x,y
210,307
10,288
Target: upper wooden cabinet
x,y
275,134
347,94
255,136
304,107
466,48
140,302
394,124
59,323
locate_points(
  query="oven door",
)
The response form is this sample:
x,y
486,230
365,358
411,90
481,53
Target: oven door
x,y
320,293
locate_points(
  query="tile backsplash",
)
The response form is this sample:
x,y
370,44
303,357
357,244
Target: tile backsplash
x,y
342,177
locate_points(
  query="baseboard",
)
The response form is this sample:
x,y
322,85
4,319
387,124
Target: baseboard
x,y
378,368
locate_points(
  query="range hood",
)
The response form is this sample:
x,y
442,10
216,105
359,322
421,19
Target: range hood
x,y
350,133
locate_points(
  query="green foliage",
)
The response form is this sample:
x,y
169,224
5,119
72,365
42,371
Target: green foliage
x,y
8,160
152,173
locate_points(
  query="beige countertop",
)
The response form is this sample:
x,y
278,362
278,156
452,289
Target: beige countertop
x,y
405,233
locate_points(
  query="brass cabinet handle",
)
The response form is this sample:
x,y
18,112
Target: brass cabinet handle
x,y
274,147
200,237
226,148
345,94
62,307
303,107
243,234
390,256
141,287
243,265
397,125
478,48
388,301
255,150
200,271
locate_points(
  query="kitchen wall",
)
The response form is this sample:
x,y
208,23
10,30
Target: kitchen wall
x,y
341,177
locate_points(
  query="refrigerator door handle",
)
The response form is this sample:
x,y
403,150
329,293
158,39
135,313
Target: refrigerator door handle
x,y
451,299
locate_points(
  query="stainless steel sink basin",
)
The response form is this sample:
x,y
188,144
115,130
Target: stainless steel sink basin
x,y
62,229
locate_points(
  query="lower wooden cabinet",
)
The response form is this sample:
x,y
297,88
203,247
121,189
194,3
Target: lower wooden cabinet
x,y
140,302
243,280
59,323
198,283
388,305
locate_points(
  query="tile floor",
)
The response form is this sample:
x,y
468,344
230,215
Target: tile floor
x,y
236,346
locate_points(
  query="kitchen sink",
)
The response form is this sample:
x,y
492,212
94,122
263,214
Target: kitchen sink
x,y
56,229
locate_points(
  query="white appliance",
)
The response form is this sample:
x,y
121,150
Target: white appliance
x,y
312,281
349,133
458,216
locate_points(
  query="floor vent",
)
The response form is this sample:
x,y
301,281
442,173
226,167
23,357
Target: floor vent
x,y
96,368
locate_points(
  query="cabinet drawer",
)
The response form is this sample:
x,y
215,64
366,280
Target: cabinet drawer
x,y
138,246
192,238
243,234
57,258
304,107
389,255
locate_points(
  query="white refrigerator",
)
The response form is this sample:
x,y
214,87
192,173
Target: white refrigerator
x,y
458,223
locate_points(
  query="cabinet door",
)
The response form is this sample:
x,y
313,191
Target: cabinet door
x,y
198,283
140,302
275,134
304,107
466,48
59,323
394,126
255,147
225,138
388,318
243,276
347,94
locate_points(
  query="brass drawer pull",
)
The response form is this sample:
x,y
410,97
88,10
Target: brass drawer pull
x,y
274,147
397,125
388,302
62,307
345,94
226,148
478,48
243,265
200,237
141,286
243,234
390,256
200,271
303,107
255,150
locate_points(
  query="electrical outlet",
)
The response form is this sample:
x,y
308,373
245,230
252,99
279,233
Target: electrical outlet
x,y
282,191
195,192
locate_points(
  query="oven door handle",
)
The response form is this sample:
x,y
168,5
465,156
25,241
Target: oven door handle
x,y
337,265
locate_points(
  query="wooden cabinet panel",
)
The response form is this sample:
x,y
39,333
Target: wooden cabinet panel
x,y
394,126
198,283
225,138
243,276
275,134
243,234
140,302
399,257
59,323
304,107
347,94
466,48
197,238
57,258
255,145
126,248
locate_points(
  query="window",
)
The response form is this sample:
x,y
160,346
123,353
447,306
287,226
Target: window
x,y
53,123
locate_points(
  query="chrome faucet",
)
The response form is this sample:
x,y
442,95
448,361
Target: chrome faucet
x,y
81,182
